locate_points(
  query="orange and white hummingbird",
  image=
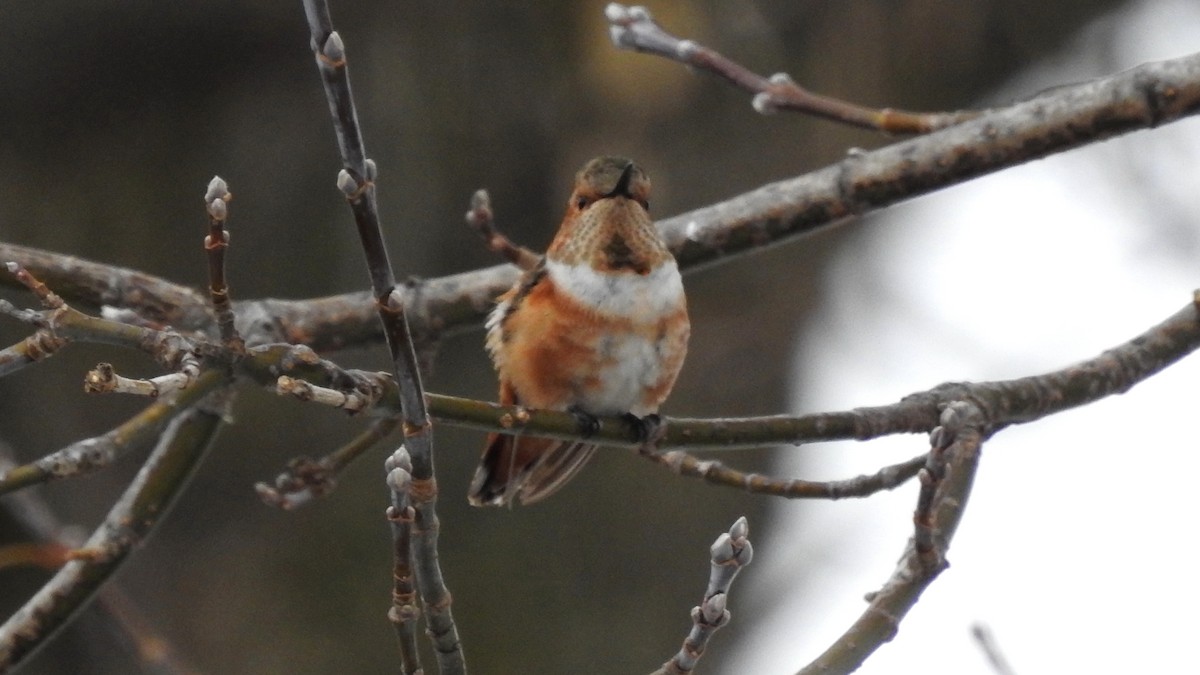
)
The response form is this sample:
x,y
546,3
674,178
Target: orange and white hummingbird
x,y
598,327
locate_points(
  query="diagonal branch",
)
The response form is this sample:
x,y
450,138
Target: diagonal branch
x,y
92,454
36,522
41,345
306,479
963,430
216,243
1067,117
887,478
728,554
129,522
635,29
404,611
357,182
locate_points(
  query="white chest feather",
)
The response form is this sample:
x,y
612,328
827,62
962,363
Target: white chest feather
x,y
635,366
632,296
631,362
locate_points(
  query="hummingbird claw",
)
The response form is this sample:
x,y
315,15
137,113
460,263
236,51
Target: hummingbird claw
x,y
587,422
647,428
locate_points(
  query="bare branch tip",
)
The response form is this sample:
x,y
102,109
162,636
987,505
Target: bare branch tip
x,y
346,183
713,610
740,529
481,200
764,104
399,480
621,19
334,49
621,37
746,554
400,459
217,210
616,13
217,189
722,549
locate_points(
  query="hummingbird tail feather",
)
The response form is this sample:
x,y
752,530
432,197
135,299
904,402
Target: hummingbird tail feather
x,y
528,469
556,466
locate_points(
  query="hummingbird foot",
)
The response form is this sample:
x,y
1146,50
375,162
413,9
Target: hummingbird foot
x,y
588,423
648,429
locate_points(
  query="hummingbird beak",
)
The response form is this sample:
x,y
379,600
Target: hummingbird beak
x,y
622,186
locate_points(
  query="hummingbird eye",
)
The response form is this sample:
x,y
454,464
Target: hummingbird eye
x,y
582,203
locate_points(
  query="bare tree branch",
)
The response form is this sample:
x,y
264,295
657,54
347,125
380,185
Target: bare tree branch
x,y
404,611
1006,402
216,200
92,454
481,219
37,347
130,521
35,519
635,29
729,554
307,479
715,472
963,430
1067,117
357,182
98,284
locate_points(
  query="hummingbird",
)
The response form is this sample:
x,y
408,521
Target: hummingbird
x,y
598,327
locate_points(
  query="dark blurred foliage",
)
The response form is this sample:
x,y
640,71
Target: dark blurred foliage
x,y
115,116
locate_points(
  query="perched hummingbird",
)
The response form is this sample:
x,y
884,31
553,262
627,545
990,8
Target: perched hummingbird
x,y
598,327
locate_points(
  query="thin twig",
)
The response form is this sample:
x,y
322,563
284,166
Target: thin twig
x,y
357,182
130,521
729,554
353,401
931,476
987,643
887,478
103,379
307,479
1007,401
98,284
65,322
92,454
964,428
404,612
481,219
216,242
33,516
635,29
41,345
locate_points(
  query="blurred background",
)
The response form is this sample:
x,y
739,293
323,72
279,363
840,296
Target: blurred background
x,y
118,113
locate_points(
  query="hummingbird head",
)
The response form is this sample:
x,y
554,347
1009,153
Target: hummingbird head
x,y
607,224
